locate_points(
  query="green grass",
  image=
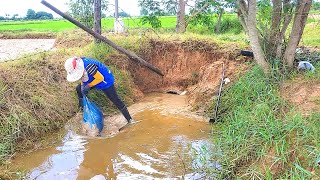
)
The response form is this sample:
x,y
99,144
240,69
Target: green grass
x,y
311,33
61,25
38,26
258,128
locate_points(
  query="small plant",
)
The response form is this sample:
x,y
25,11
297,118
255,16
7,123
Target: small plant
x,y
194,78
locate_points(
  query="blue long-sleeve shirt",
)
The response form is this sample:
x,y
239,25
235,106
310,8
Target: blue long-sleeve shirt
x,y
99,72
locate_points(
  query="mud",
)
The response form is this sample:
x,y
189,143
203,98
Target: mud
x,y
13,48
160,146
304,95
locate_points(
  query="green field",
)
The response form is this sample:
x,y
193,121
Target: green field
x,y
230,24
61,25
167,22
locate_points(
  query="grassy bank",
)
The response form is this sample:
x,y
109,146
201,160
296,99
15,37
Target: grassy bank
x,y
36,99
260,136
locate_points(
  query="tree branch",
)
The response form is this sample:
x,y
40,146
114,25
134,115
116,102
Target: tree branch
x,y
287,8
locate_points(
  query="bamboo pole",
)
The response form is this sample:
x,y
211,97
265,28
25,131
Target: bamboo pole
x,y
130,54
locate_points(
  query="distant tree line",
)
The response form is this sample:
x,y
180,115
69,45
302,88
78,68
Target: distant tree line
x,y
7,17
31,15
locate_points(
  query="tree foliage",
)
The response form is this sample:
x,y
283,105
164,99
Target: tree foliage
x,y
31,14
123,14
205,9
152,9
43,15
201,13
83,10
315,6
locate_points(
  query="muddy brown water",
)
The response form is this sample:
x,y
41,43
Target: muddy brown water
x,y
163,145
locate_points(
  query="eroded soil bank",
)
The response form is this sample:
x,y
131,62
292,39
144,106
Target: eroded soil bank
x,y
191,66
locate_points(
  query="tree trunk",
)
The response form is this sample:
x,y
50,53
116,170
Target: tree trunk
x,y
243,6
243,14
287,13
218,26
242,21
181,22
254,36
300,19
274,35
97,18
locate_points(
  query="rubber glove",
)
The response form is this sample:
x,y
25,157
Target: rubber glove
x,y
85,89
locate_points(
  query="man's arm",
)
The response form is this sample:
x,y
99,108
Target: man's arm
x,y
92,69
98,78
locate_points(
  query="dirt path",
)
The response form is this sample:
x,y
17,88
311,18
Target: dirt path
x,y
304,95
13,48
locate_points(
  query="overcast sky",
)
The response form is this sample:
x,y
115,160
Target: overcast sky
x,y
21,6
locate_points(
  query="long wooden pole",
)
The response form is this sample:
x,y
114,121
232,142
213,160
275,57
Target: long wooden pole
x,y
130,54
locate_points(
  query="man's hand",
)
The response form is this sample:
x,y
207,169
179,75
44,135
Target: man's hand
x,y
85,89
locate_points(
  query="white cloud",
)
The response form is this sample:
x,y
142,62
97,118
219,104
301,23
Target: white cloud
x,y
129,6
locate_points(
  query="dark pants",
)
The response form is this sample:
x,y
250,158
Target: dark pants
x,y
111,93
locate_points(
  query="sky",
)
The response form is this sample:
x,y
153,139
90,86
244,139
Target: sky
x,y
21,6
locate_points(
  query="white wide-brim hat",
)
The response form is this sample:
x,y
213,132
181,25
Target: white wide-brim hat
x,y
75,68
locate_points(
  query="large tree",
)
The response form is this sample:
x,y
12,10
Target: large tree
x,y
268,36
181,22
83,10
31,14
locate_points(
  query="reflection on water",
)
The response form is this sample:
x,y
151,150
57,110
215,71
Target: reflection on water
x,y
157,147
63,164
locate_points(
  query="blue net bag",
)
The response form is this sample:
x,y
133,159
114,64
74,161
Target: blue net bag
x,y
92,114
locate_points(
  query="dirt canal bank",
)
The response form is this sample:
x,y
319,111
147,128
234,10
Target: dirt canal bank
x,y
14,48
164,144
